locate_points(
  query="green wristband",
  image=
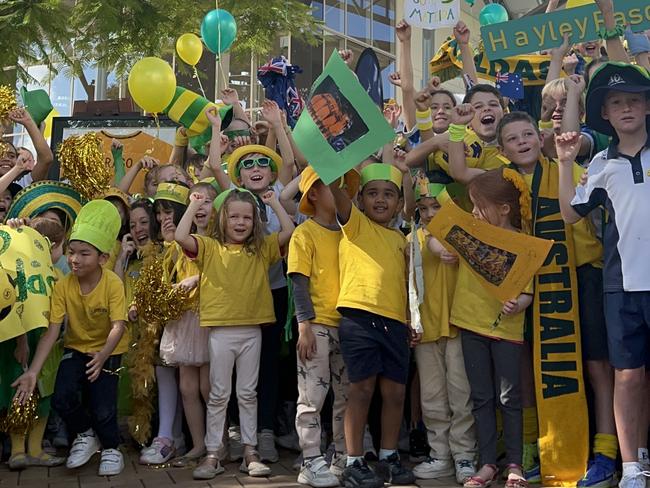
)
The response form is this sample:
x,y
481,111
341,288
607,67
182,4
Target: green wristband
x,y
457,132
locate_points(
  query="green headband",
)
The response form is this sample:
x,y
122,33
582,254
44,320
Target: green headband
x,y
218,202
429,190
381,172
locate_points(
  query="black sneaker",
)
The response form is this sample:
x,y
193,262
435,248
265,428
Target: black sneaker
x,y
359,475
392,471
418,446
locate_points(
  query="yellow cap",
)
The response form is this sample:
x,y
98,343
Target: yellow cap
x,y
119,194
350,182
172,192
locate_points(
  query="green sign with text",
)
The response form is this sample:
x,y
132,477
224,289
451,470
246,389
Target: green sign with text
x,y
540,32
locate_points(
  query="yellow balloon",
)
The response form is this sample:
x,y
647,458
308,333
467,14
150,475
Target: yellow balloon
x,y
189,48
152,84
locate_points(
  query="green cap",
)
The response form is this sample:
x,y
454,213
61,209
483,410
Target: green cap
x,y
218,202
37,103
381,172
98,224
429,190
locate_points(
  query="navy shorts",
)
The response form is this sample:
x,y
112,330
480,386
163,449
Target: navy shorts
x,y
593,331
373,345
628,328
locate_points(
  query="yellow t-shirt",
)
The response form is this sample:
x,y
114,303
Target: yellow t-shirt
x,y
89,316
234,288
475,309
439,287
314,252
588,249
179,266
478,154
372,268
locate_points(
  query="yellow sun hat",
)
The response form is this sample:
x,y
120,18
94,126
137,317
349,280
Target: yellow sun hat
x,y
240,152
113,192
172,192
349,182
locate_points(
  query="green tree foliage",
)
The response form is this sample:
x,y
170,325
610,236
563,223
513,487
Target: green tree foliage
x,y
116,33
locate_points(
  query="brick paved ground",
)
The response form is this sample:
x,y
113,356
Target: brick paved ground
x,y
137,476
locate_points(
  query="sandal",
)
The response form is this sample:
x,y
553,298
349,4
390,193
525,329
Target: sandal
x,y
515,480
45,459
252,466
477,482
18,461
187,459
209,468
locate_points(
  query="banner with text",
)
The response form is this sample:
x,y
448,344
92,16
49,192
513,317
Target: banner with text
x,y
540,32
431,14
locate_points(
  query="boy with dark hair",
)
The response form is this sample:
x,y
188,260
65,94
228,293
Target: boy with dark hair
x,y
618,180
93,300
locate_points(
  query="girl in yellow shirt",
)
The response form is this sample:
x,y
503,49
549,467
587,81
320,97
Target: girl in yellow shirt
x,y
234,301
492,333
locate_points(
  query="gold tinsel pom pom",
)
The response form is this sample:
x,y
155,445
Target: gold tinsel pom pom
x,y
20,418
83,163
156,299
7,101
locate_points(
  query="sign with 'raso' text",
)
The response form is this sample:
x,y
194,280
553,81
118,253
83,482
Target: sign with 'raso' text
x,y
540,32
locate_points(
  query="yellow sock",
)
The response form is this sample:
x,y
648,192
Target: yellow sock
x,y
35,439
530,425
17,444
606,444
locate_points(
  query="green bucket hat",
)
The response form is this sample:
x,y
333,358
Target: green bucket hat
x,y
613,76
98,224
37,103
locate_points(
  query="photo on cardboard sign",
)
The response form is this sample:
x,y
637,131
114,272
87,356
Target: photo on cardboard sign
x,y
336,118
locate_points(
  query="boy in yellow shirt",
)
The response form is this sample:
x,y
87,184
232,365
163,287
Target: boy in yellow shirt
x,y
93,300
314,272
373,336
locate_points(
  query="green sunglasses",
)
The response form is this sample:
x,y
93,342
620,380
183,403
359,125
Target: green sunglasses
x,y
249,163
232,134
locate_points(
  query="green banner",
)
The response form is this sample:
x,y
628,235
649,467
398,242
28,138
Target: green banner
x,y
341,125
540,32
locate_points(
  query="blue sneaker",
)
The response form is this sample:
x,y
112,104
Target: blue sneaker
x,y
600,473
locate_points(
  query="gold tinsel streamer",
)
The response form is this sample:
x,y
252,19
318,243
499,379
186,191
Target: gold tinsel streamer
x,y
157,303
7,101
84,165
20,418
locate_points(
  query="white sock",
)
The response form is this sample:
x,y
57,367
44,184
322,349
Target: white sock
x,y
386,453
643,455
631,469
167,400
351,459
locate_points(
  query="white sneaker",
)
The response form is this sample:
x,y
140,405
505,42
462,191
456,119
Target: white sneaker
x,y
235,447
338,464
315,473
158,453
112,463
266,446
83,448
369,451
634,480
465,469
433,468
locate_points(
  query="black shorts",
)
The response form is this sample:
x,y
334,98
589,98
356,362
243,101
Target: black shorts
x,y
593,331
628,328
373,345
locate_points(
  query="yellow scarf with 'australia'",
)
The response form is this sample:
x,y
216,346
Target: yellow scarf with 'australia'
x,y
561,401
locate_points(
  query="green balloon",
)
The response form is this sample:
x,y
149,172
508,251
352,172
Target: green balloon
x,y
218,30
493,13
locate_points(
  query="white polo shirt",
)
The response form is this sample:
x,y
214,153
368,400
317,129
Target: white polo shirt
x,y
621,184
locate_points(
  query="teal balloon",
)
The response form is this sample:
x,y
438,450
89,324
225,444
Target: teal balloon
x,y
493,13
218,30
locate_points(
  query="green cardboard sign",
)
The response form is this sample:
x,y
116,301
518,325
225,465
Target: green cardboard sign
x,y
341,125
540,32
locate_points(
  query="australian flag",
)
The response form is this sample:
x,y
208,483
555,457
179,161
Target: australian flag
x,y
510,85
277,78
